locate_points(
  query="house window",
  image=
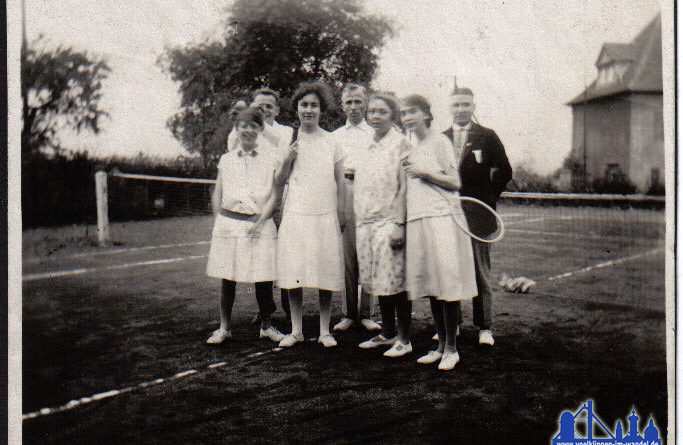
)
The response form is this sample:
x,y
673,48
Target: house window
x,y
606,75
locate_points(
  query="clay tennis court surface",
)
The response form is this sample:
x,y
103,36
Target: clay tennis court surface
x,y
114,321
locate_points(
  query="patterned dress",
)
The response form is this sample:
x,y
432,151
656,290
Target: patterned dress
x,y
377,186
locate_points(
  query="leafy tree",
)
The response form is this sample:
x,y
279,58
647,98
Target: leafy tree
x,y
60,88
573,164
275,43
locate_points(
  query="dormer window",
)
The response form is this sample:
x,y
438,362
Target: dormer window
x,y
612,73
606,75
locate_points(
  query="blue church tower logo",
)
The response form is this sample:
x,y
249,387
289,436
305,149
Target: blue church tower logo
x,y
597,432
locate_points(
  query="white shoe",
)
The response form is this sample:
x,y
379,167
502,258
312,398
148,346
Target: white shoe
x,y
343,325
378,340
431,357
448,361
327,340
486,337
218,337
290,340
370,325
399,350
271,333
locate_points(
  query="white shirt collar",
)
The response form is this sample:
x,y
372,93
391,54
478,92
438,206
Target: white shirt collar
x,y
457,127
363,125
388,139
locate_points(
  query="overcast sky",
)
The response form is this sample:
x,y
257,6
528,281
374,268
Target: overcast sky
x,y
523,59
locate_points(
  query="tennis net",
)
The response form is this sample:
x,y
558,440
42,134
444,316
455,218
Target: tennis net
x,y
136,196
599,248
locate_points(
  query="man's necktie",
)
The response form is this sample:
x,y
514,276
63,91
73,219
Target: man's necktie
x,y
461,139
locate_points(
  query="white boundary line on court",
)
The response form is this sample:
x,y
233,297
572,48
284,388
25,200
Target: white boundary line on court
x,y
76,403
574,236
71,272
606,264
113,393
539,219
549,233
114,251
512,215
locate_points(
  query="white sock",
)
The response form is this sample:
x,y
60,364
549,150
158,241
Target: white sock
x,y
296,308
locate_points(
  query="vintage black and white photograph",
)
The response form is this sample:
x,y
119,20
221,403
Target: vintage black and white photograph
x,y
341,221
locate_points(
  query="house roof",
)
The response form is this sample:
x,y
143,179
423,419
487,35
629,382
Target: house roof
x,y
615,52
644,73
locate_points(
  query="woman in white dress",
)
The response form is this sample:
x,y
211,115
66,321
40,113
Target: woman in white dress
x,y
379,204
439,258
309,239
244,237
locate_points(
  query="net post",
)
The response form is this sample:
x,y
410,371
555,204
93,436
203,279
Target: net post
x,y
102,208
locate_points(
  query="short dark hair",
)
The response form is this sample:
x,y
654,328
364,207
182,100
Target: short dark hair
x,y
265,91
415,100
319,89
464,90
390,100
250,115
237,106
351,87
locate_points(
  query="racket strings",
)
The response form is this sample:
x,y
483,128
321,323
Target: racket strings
x,y
480,220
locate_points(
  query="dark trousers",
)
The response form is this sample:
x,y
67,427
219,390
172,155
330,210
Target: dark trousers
x,y
284,293
482,304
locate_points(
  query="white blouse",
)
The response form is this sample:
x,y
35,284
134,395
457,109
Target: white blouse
x,y
247,179
424,199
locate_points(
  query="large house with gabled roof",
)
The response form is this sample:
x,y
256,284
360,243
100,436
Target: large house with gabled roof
x,y
618,119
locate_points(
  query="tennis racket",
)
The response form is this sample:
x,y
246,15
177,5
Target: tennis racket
x,y
477,219
295,134
295,137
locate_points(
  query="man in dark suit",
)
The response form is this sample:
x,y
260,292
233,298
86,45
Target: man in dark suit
x,y
484,171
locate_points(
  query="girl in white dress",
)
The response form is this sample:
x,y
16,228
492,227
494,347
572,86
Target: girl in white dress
x,y
379,204
309,239
440,264
244,237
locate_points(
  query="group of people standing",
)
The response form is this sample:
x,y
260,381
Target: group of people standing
x,y
369,204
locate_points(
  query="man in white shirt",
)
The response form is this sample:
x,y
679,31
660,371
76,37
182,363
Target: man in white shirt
x,y
276,134
355,135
